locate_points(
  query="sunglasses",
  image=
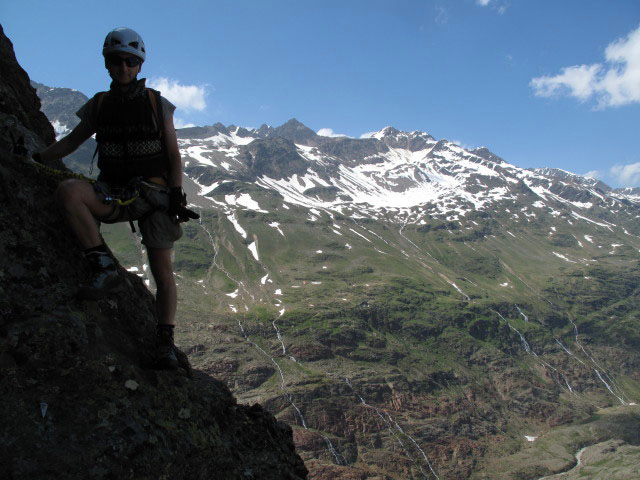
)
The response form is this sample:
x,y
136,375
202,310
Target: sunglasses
x,y
116,60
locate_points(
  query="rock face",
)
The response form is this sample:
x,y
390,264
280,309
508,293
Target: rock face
x,y
19,105
79,400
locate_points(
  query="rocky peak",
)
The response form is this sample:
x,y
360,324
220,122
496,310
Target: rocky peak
x,y
264,130
23,124
296,132
412,141
559,174
485,153
387,132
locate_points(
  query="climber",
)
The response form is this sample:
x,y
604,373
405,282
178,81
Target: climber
x,y
140,179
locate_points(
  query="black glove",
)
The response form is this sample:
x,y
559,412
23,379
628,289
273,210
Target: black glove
x,y
178,205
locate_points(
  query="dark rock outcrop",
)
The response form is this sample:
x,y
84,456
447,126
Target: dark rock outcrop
x,y
79,400
22,124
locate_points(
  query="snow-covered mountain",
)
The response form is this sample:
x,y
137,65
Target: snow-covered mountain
x,y
393,175
60,105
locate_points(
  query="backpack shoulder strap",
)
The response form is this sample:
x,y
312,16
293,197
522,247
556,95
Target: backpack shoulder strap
x,y
156,106
99,98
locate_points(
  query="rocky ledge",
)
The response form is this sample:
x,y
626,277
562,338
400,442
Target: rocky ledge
x,y
79,400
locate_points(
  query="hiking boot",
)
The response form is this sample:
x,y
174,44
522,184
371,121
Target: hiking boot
x,y
165,351
104,278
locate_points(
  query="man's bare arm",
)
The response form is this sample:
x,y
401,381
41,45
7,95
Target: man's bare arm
x,y
175,161
68,144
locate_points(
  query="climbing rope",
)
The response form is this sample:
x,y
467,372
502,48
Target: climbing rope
x,y
62,175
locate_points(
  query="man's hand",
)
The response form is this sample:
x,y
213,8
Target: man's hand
x,y
178,205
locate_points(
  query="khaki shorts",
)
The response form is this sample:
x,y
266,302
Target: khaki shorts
x,y
158,229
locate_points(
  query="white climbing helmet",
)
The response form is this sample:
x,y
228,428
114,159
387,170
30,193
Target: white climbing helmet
x,y
124,40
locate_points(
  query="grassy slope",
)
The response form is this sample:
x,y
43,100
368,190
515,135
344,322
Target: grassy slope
x,y
384,308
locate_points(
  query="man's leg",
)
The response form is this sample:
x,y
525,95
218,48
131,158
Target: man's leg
x,y
81,205
166,304
166,296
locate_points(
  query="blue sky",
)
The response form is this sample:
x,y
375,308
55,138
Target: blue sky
x,y
539,82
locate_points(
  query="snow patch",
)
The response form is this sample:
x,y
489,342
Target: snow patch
x,y
244,200
253,248
276,225
232,218
559,255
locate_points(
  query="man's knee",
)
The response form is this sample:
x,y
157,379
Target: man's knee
x,y
70,191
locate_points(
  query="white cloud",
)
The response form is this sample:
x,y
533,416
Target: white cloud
x,y
579,79
462,145
179,123
327,132
615,85
618,175
499,6
368,135
626,175
442,16
595,174
188,97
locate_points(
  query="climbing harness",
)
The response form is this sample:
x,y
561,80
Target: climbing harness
x,y
62,175
126,197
